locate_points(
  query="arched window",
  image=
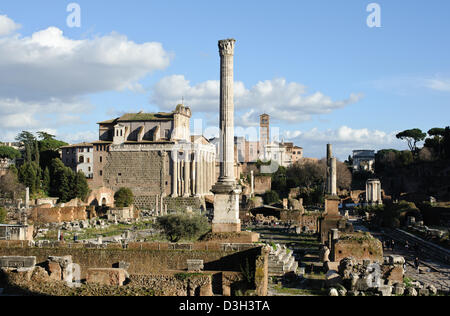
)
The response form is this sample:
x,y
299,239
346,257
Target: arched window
x,y
81,160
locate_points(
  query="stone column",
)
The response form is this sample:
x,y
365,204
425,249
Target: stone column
x,y
226,192
187,173
208,173
226,48
333,171
174,174
200,172
329,156
252,183
193,174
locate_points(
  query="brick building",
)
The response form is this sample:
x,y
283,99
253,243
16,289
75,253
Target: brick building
x,y
155,156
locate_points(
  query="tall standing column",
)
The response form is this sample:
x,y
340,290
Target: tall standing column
x,y
333,172
226,192
193,174
174,174
226,48
187,174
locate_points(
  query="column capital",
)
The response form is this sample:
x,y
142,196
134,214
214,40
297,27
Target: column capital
x,y
226,47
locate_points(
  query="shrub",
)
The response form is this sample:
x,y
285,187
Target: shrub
x,y
183,226
271,197
3,214
123,197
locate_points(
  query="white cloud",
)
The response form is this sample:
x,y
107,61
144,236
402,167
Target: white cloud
x,y
438,84
7,26
288,102
80,137
344,140
49,74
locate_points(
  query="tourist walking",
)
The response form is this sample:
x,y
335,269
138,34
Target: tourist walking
x,y
416,264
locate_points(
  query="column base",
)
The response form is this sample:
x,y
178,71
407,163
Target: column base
x,y
226,228
226,209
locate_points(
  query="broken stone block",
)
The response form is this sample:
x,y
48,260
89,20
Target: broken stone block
x,y
55,271
399,289
424,292
110,277
333,292
411,291
432,289
395,275
195,265
332,278
16,262
385,290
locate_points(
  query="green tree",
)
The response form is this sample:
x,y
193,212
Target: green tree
x,y
9,153
124,197
28,175
3,215
62,181
81,186
412,136
271,197
183,226
46,181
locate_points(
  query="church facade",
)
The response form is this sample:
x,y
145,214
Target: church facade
x,y
155,156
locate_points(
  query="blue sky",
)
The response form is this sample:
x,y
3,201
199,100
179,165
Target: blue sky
x,y
314,66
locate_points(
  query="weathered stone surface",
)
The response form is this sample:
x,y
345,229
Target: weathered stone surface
x,y
333,292
411,291
112,277
432,289
395,275
399,289
385,290
55,271
332,278
17,262
195,265
424,292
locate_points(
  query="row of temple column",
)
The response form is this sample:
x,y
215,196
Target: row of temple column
x,y
193,173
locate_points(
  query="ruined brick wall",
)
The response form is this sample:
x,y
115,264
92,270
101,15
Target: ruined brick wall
x,y
142,172
179,204
58,214
310,222
144,261
295,216
358,246
175,283
263,184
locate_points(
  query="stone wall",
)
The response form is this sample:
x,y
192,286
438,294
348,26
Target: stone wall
x,y
179,204
58,214
145,261
359,246
152,272
263,184
142,172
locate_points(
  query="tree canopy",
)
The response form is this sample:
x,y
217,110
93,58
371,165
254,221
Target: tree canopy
x,y
9,152
183,226
124,197
412,136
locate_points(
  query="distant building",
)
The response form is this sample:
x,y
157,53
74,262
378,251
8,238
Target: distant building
x,y
264,131
155,156
16,232
364,160
79,157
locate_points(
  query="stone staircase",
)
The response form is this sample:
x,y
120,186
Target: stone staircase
x,y
281,261
431,250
